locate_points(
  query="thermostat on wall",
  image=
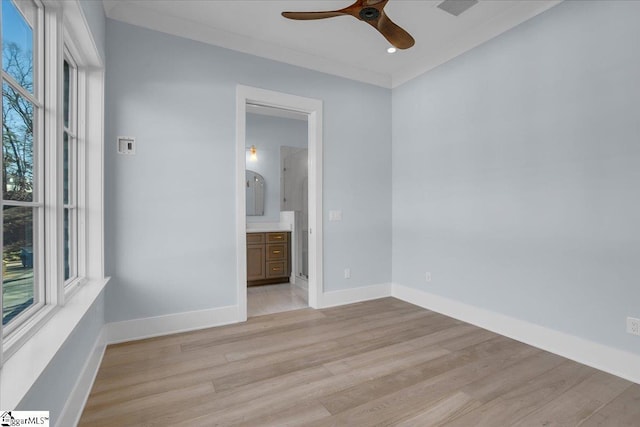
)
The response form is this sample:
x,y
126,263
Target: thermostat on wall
x,y
126,145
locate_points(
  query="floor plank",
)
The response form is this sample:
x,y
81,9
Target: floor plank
x,y
382,362
578,403
623,411
450,407
514,399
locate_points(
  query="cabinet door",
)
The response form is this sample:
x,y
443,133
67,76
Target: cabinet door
x,y
255,262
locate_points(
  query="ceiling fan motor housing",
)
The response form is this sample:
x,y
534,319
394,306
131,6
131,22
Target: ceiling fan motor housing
x,y
369,14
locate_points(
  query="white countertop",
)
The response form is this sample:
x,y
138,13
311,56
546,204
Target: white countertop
x,y
285,224
267,228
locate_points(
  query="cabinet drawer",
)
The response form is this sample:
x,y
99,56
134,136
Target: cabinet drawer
x,y
277,269
276,251
255,238
276,237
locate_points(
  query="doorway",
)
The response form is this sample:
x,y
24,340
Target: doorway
x,y
277,210
248,99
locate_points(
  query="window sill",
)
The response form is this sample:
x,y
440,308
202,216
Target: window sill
x,y
23,368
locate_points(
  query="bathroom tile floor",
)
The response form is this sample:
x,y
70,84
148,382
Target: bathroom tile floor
x,y
270,299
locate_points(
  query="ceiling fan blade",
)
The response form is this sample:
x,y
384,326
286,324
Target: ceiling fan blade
x,y
312,15
392,32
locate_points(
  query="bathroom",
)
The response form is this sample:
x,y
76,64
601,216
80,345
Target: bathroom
x,y
277,210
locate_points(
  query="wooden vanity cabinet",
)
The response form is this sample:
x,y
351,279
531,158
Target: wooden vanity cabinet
x,y
255,257
268,258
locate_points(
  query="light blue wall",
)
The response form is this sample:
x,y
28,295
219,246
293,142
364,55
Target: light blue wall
x,y
53,387
516,173
94,14
170,209
268,134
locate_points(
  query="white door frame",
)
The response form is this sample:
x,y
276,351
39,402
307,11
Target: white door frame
x,y
313,109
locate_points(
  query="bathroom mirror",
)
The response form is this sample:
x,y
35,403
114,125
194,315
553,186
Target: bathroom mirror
x,y
255,193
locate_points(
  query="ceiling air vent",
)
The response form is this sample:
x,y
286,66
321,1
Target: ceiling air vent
x,y
456,7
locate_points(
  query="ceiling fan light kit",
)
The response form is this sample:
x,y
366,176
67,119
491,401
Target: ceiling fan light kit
x,y
369,11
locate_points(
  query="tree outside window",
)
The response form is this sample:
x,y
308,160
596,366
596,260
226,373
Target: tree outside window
x,y
19,111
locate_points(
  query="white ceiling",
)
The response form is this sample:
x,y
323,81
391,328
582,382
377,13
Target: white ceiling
x,y
341,46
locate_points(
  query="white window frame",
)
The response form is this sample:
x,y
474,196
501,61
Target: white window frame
x,y
61,34
25,361
19,326
77,168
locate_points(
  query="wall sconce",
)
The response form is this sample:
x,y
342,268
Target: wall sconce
x,y
253,154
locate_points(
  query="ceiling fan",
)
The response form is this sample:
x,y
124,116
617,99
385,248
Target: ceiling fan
x,y
369,11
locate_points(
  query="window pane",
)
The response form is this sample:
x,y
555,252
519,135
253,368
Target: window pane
x,y
65,167
67,244
17,261
17,145
17,45
66,92
70,243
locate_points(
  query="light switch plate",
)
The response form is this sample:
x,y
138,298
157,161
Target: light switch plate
x,y
633,326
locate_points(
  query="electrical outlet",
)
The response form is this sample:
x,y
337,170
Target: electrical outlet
x,y
633,326
347,273
427,277
126,145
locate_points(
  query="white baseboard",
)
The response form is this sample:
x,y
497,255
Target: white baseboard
x,y
349,296
70,415
614,361
130,330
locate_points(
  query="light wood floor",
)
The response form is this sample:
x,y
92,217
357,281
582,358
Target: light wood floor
x,y
271,299
377,363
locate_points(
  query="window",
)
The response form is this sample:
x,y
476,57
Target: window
x,y
52,184
51,106
22,166
70,169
